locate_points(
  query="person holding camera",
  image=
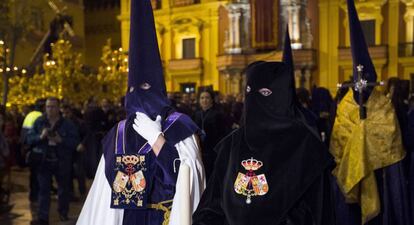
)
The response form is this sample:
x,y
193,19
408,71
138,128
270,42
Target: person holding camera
x,y
54,140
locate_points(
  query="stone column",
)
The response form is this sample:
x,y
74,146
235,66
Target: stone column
x,y
124,18
393,40
236,83
409,26
238,34
294,14
295,25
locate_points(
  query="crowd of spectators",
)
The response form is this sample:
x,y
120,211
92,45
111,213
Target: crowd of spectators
x,y
51,125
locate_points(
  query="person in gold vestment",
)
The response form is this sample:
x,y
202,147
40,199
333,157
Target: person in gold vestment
x,y
370,182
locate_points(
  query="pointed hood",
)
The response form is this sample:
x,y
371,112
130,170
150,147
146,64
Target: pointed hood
x,y
287,58
146,86
359,48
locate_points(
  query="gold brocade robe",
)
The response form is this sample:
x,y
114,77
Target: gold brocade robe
x,y
362,146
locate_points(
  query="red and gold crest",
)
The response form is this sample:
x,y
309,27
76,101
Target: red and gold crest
x,y
250,184
129,184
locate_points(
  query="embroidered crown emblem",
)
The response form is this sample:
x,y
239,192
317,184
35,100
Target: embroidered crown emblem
x,y
251,164
250,184
130,159
128,188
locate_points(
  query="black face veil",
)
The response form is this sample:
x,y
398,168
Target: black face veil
x,y
270,101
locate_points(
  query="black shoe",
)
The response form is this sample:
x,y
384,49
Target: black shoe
x,y
39,222
63,217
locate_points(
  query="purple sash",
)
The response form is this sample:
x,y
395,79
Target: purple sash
x,y
120,142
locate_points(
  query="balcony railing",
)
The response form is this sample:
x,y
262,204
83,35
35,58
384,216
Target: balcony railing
x,y
231,61
406,49
305,57
179,3
185,64
376,52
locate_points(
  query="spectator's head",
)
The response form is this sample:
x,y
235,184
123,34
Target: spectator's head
x,y
66,111
14,110
39,105
92,103
193,97
303,97
397,91
52,107
206,99
228,99
26,109
65,101
105,105
171,95
185,98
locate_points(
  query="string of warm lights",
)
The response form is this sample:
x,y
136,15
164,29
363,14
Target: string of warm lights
x,y
63,77
112,75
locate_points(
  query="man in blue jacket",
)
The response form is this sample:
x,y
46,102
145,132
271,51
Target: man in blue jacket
x,y
54,140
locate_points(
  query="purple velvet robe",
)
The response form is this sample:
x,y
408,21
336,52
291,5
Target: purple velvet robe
x,y
161,176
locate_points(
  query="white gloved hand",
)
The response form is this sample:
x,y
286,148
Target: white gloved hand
x,y
147,128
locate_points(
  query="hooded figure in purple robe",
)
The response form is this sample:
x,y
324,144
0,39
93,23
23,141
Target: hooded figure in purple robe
x,y
136,180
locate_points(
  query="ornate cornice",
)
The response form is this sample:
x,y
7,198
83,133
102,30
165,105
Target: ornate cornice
x,y
183,23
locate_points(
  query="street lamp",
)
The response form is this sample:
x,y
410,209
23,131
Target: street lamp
x,y
6,69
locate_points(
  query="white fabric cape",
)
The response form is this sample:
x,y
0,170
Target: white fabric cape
x,y
96,209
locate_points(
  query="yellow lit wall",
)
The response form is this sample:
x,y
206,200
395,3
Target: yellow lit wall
x,y
175,23
393,27
394,22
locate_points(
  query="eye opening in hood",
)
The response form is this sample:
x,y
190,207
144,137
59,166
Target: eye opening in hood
x,y
145,86
265,92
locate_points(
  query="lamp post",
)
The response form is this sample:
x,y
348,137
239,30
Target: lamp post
x,y
7,70
4,69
